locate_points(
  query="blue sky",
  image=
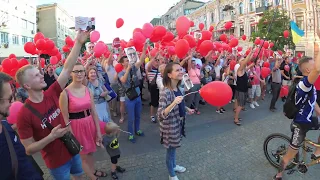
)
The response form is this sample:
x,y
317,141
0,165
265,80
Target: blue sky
x,y
134,13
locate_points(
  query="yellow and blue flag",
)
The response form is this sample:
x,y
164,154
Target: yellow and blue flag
x,y
297,33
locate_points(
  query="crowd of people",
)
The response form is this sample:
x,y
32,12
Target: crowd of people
x,y
85,94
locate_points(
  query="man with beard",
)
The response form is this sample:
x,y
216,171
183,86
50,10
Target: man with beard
x,y
15,164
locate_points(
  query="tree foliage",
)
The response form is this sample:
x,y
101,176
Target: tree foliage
x,y
280,23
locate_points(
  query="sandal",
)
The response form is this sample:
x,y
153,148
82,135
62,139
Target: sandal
x,y
237,123
197,112
102,174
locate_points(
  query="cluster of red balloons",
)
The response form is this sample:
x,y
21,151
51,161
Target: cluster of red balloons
x,y
69,44
11,65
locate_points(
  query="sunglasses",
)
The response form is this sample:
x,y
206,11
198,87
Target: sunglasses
x,y
78,71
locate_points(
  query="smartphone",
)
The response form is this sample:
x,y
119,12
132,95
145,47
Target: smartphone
x,y
68,124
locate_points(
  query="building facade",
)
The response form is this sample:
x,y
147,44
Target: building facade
x,y
182,8
245,15
17,26
55,23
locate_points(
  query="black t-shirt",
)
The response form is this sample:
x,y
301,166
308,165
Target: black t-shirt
x,y
283,64
49,80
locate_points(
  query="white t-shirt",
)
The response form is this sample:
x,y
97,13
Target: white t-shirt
x,y
236,67
217,71
198,62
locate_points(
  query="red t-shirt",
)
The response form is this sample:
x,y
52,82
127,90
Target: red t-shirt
x,y
317,84
54,154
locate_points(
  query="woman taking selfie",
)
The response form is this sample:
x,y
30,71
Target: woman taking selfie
x,y
172,113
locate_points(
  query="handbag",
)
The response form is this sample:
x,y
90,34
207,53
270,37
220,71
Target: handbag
x,y
71,143
131,92
13,155
112,94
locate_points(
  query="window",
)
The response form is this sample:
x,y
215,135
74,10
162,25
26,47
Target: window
x,y
30,26
15,39
24,23
251,6
252,29
30,39
241,8
241,31
4,37
212,17
299,21
24,39
221,15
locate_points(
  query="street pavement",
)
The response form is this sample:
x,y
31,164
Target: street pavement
x,y
214,149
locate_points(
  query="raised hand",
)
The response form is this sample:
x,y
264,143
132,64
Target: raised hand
x,y
82,36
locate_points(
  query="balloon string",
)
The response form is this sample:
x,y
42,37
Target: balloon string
x,y
125,131
184,97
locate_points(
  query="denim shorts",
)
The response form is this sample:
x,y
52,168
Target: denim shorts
x,y
72,167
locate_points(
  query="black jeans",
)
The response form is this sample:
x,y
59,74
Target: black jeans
x,y
275,94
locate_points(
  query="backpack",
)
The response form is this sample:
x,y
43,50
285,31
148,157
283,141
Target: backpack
x,y
290,109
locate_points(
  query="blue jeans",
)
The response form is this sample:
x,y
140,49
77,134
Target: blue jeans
x,y
134,108
171,161
73,167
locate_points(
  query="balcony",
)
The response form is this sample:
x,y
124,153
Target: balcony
x,y
260,10
229,18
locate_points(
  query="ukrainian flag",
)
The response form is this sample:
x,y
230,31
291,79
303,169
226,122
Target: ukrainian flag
x,y
296,32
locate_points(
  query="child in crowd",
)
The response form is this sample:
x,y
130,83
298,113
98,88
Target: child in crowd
x,y
110,142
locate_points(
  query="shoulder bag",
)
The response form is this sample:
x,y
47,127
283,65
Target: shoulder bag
x,y
13,155
71,143
131,92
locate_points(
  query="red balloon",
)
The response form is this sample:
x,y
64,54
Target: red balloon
x,y
228,25
65,49
223,37
138,38
69,41
147,30
99,49
244,37
153,52
94,36
182,25
171,50
265,72
168,37
14,63
266,64
205,47
206,35
41,44
266,44
159,31
216,93
42,62
233,42
287,68
22,62
286,34
119,23
232,64
38,36
211,28
191,23
201,26
284,91
257,41
182,48
29,47
53,60
53,52
118,67
49,45
239,48
12,56
271,44
191,40
6,64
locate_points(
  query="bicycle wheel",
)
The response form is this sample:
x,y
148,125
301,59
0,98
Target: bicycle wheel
x,y
278,151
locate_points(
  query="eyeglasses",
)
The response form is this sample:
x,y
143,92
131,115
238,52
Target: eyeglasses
x,y
8,99
78,71
91,47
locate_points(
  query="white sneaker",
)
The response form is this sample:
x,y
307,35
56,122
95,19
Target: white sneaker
x,y
173,178
252,106
180,169
256,104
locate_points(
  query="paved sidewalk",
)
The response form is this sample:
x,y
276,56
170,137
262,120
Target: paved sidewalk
x,y
232,155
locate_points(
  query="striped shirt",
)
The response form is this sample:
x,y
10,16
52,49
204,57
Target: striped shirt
x,y
152,73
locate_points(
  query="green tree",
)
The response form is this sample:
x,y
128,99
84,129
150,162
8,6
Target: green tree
x,y
280,23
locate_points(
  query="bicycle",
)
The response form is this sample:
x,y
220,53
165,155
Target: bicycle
x,y
295,164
